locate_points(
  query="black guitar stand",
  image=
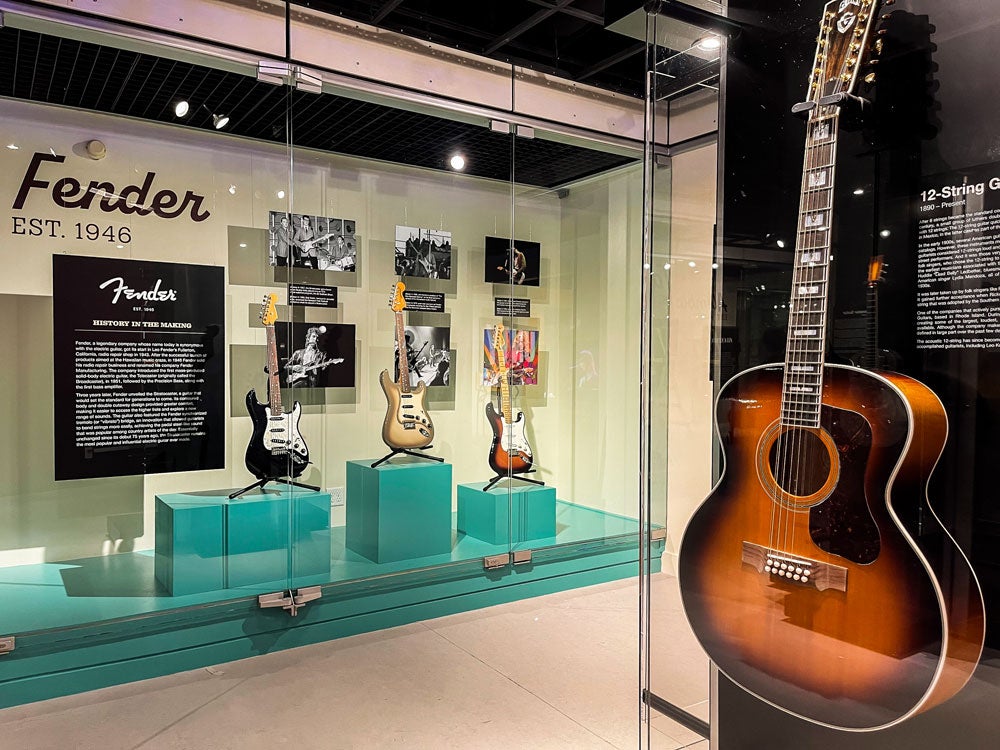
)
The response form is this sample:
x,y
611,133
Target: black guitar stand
x,y
520,476
261,482
408,452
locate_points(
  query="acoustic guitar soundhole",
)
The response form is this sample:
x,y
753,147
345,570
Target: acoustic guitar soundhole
x,y
800,462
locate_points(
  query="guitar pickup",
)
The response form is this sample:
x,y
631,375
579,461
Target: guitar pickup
x,y
794,569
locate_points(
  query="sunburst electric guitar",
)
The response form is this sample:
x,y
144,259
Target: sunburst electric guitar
x,y
801,574
510,452
276,448
407,424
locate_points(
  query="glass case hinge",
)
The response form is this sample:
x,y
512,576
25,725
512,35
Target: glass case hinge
x,y
524,131
6,644
657,535
290,600
281,74
494,562
499,126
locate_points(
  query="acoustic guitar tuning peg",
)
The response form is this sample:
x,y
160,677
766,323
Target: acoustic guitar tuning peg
x,y
870,78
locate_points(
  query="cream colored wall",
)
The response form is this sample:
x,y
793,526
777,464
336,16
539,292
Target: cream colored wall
x,y
690,390
589,242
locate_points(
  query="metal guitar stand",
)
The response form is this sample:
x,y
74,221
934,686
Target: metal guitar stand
x,y
520,476
408,452
261,482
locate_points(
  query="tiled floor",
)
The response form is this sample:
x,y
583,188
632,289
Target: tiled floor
x,y
559,671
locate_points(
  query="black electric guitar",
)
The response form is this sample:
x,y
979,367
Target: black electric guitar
x,y
799,573
276,448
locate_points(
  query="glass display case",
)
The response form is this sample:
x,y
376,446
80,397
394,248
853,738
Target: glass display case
x,y
284,343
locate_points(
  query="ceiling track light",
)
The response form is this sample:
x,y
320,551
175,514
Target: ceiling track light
x,y
181,108
218,121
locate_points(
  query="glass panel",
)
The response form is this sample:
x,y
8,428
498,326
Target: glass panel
x,y
681,209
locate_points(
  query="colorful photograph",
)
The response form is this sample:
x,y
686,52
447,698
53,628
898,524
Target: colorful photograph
x,y
304,241
423,253
520,357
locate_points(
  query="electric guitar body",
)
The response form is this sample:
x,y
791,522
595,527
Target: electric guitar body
x,y
510,452
267,455
799,572
407,423
276,449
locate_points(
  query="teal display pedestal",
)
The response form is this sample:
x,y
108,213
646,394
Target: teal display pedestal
x,y
398,511
208,541
190,544
530,512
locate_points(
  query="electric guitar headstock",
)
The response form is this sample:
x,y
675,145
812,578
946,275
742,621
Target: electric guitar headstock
x,y
842,50
397,303
876,271
499,345
268,311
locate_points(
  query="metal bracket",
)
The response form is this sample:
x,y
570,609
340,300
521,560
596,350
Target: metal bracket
x,y
657,535
494,562
520,557
282,74
524,131
6,644
499,126
289,600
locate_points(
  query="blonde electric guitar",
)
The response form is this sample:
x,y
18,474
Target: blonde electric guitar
x,y
407,423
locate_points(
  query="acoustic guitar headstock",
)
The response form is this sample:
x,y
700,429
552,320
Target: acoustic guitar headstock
x,y
843,48
268,311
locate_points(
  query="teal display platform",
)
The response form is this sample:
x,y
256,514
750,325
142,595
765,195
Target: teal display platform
x,y
524,513
190,544
207,541
94,622
399,511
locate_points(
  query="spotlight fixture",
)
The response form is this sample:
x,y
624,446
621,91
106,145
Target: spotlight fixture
x,y
781,244
859,191
885,233
218,121
281,194
457,162
709,43
181,108
13,146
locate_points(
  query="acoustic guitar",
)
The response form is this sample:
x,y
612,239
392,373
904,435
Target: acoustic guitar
x,y
276,449
510,452
407,424
802,573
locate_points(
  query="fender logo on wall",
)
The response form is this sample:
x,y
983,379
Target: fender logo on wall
x,y
68,192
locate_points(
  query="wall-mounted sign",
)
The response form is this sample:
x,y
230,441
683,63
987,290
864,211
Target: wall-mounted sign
x,y
511,307
424,301
311,295
139,356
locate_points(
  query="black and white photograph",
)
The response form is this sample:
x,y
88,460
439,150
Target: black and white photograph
x,y
305,241
427,355
423,253
315,355
515,264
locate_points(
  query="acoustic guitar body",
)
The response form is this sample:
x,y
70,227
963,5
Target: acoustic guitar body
x,y
815,575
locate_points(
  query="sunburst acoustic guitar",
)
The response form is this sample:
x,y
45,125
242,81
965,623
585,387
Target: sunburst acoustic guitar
x,y
799,573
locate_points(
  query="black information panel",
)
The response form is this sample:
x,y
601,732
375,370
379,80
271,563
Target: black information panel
x,y
511,307
311,295
958,260
139,353
424,301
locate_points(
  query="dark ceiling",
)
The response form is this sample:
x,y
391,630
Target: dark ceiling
x,y
563,37
55,70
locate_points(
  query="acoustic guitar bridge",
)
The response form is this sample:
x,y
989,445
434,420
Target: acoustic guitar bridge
x,y
795,569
